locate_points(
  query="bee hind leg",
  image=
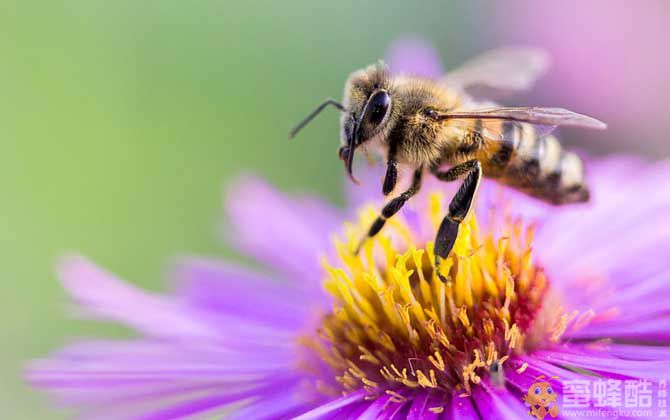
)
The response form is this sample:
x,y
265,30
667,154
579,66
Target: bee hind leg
x,y
458,209
455,172
391,208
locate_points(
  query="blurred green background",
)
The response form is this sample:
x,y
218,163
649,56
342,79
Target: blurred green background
x,y
121,122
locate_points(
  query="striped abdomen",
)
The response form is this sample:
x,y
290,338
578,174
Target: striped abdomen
x,y
534,164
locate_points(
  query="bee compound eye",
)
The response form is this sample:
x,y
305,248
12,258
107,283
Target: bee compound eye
x,y
378,106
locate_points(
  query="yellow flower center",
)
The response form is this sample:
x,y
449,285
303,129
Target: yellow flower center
x,y
396,325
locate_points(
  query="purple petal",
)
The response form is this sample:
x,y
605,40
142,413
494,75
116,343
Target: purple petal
x,y
462,408
148,360
158,378
492,402
281,402
353,411
333,407
397,411
377,407
614,182
619,266
200,406
276,398
414,56
634,351
653,330
607,364
287,234
222,288
420,408
103,296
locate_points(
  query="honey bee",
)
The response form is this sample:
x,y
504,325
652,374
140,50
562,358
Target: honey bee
x,y
420,125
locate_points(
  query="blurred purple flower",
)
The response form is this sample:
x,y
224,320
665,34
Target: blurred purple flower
x,y
412,55
251,344
607,62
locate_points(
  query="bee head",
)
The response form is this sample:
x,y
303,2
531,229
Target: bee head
x,y
368,102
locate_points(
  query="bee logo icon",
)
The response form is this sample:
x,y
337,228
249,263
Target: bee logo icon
x,y
541,398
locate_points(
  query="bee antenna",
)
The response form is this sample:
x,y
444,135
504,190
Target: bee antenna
x,y
313,114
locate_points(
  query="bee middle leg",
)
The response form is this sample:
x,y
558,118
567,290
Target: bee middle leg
x,y
458,208
392,207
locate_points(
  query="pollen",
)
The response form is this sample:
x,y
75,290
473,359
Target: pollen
x,y
395,326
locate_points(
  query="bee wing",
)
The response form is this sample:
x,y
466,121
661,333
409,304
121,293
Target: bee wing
x,y
511,125
532,115
543,120
509,68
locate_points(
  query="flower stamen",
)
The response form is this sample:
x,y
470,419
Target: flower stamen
x,y
397,326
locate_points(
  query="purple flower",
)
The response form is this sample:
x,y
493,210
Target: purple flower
x,y
232,337
321,333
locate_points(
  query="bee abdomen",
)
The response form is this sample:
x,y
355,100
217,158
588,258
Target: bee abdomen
x,y
538,166
570,185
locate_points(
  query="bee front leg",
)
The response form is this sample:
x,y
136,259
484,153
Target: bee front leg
x,y
392,207
458,209
391,177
